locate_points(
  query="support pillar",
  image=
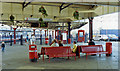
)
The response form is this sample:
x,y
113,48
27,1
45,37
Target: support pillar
x,y
21,41
90,28
10,40
52,34
14,35
61,37
69,36
59,31
50,38
40,37
34,31
45,33
55,34
46,38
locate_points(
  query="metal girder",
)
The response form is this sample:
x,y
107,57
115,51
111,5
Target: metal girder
x,y
78,25
99,3
61,7
25,5
84,10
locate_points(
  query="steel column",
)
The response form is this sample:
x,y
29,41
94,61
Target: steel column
x,y
52,34
90,28
40,37
69,36
34,31
14,35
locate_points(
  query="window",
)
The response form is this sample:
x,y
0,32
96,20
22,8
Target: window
x,y
80,34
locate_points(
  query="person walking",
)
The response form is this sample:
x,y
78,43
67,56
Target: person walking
x,y
3,46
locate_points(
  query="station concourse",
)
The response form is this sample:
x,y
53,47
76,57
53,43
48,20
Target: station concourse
x,y
45,21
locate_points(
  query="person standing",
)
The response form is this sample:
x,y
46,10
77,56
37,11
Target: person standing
x,y
3,46
27,39
33,38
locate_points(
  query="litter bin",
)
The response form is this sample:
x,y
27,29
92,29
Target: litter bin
x,y
109,48
46,40
33,53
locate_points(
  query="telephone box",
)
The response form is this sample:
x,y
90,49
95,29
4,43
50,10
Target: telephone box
x,y
33,53
81,35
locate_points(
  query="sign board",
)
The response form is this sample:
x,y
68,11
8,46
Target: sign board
x,y
32,46
36,19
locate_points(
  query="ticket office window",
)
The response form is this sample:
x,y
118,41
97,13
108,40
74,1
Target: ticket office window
x,y
32,46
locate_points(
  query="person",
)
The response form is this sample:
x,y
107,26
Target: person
x,y
54,43
74,47
3,46
27,39
60,43
91,42
33,39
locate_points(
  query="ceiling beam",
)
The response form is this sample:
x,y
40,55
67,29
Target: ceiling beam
x,y
61,7
25,5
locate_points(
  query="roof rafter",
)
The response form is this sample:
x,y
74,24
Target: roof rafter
x,y
61,7
25,5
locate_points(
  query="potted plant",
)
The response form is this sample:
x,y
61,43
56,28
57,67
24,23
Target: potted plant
x,y
76,15
43,11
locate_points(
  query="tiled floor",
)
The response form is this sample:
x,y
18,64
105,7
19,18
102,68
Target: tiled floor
x,y
17,57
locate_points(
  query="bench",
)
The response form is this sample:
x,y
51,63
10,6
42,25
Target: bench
x,y
64,51
93,49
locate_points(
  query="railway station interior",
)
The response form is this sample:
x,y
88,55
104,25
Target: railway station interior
x,y
32,31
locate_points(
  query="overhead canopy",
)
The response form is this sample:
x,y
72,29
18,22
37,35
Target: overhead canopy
x,y
59,11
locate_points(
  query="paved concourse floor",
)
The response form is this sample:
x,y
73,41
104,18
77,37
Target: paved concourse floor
x,y
17,57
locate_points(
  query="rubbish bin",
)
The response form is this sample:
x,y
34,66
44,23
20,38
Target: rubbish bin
x,y
46,40
109,48
33,53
